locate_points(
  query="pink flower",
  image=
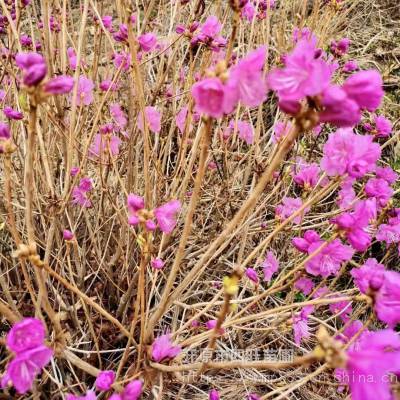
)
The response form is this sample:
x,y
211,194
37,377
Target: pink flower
x,y
180,119
305,174
343,309
350,66
122,60
135,203
346,152
79,193
303,244
362,363
108,85
213,395
33,67
387,299
73,61
163,349
380,190
251,273
389,233
10,113
387,174
304,285
59,85
118,115
212,98
211,27
26,340
303,75
246,131
68,235
132,391
248,11
157,263
211,324
105,380
166,215
328,261
153,119
147,41
383,126
270,266
341,47
300,324
347,195
365,88
288,207
247,80
281,129
105,144
107,22
369,276
85,91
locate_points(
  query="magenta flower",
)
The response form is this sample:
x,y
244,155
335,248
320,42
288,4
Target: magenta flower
x,y
26,340
304,285
122,60
105,144
147,41
380,190
305,174
270,266
118,115
248,11
135,203
362,362
365,88
341,308
132,390
107,84
346,195
341,47
387,299
166,215
107,22
328,261
303,244
251,273
289,206
212,98
213,395
387,174
246,78
300,324
153,119
105,380
80,192
246,131
157,263
303,75
180,119
59,85
346,152
10,113
383,127
72,59
163,349
211,27
281,129
350,66
33,67
369,276
85,91
67,235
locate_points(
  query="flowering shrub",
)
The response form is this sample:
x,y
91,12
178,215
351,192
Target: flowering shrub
x,y
199,200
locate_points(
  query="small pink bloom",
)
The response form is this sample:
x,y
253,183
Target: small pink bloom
x,y
105,380
387,299
147,41
163,349
132,391
90,395
350,66
157,263
288,207
368,276
166,215
270,266
59,85
300,324
383,126
33,67
387,174
251,273
304,285
85,91
281,129
213,395
67,235
10,113
380,190
303,244
153,119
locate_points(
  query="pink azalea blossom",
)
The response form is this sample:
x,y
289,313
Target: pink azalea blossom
x,y
270,266
79,193
211,324
26,340
350,66
33,67
166,215
365,88
347,152
304,285
343,309
59,85
380,190
303,75
213,395
387,299
245,129
180,119
303,244
90,395
157,263
248,11
105,144
163,349
288,207
368,276
328,261
389,233
72,59
135,203
68,235
383,127
300,324
122,60
251,273
147,41
346,195
281,129
305,174
387,174
105,380
85,91
362,362
118,115
341,47
132,391
10,113
153,119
